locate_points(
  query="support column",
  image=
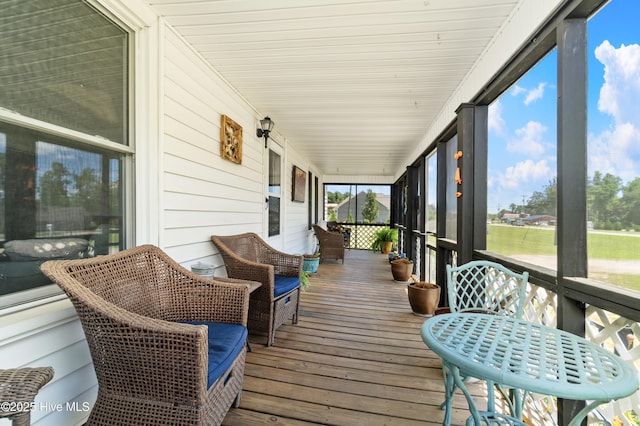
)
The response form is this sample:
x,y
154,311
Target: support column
x,y
572,179
472,187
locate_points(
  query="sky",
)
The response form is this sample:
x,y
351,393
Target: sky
x,y
522,122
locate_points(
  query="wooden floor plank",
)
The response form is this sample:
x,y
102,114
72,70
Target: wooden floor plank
x,y
354,358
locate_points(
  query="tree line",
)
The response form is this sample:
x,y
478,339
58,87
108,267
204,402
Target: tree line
x,y
611,204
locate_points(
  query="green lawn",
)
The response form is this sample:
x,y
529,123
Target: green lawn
x,y
513,240
521,240
541,241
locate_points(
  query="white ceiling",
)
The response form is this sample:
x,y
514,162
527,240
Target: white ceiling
x,y
353,85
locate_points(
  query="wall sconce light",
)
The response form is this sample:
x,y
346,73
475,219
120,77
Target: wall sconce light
x,y
265,128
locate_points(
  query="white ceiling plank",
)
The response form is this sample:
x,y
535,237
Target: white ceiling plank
x,y
353,85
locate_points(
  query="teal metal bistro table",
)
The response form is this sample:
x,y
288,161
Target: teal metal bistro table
x,y
524,357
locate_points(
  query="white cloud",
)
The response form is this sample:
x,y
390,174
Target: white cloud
x,y
526,172
530,140
517,90
617,150
535,94
621,89
495,121
530,95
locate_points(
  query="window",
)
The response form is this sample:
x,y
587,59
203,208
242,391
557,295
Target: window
x,y
65,64
313,199
63,108
275,193
310,198
522,167
613,157
358,203
316,202
431,177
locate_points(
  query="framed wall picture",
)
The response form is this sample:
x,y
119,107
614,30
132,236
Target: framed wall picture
x,y
230,140
299,179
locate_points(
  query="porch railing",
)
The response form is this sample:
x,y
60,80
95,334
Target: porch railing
x,y
362,234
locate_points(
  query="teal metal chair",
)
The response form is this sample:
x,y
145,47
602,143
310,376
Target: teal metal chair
x,y
485,287
489,287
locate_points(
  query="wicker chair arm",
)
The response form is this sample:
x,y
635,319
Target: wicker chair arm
x,y
248,270
332,238
288,265
285,264
242,269
214,300
164,349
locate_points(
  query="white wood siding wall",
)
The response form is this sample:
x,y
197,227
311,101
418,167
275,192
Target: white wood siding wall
x,y
298,238
204,194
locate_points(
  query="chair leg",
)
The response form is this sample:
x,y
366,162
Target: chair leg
x,y
295,313
236,402
271,335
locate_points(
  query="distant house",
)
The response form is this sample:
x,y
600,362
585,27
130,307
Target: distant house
x,y
510,217
351,208
540,219
526,219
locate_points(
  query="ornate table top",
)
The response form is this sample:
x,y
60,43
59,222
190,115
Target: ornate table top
x,y
529,356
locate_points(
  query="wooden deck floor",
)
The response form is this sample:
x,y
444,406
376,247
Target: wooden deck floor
x,y
354,358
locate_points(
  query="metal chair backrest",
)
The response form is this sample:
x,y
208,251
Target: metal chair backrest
x,y
484,286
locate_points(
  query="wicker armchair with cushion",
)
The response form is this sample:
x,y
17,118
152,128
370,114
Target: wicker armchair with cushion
x,y
247,256
168,346
331,244
346,232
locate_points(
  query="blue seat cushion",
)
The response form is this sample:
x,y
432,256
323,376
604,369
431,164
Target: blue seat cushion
x,y
225,343
284,284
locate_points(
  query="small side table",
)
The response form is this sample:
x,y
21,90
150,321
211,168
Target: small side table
x,y
18,389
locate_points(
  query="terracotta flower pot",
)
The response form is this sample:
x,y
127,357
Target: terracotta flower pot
x,y
423,297
401,269
387,246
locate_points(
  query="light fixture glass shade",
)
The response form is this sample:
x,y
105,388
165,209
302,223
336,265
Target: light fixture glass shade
x,y
266,124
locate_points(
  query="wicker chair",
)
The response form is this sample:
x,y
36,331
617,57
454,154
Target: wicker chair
x,y
334,226
18,390
168,346
247,256
331,244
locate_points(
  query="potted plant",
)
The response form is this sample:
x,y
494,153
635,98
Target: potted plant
x,y
401,269
304,280
310,262
423,297
384,239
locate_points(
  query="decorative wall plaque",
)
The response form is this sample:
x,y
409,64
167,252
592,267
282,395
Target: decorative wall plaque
x,y
299,187
231,140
